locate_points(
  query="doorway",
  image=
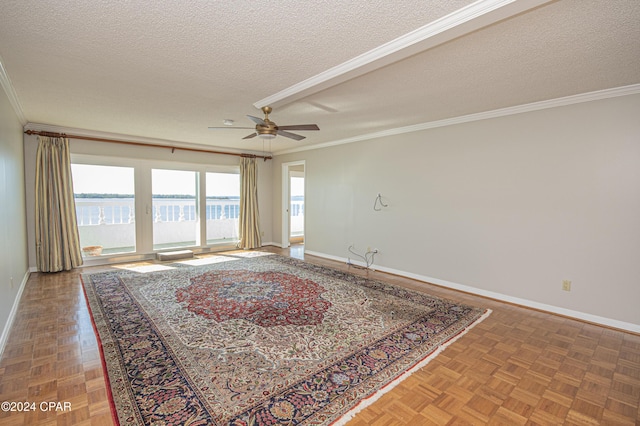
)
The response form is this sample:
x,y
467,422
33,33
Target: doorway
x,y
296,206
293,203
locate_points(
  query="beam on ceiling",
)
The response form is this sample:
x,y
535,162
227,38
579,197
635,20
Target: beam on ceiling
x,y
479,14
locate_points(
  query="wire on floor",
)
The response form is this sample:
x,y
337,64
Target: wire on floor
x,y
368,258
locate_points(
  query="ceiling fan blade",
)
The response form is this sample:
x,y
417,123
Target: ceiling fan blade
x,y
256,120
252,135
230,128
290,135
300,127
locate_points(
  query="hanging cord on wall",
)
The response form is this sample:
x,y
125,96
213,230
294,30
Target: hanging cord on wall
x,y
368,258
379,201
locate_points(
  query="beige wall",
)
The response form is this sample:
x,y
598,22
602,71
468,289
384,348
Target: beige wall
x,y
13,238
142,154
507,207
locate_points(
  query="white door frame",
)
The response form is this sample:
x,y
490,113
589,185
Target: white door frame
x,y
285,233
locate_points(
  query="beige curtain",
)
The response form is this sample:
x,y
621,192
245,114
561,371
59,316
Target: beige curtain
x,y
57,240
249,216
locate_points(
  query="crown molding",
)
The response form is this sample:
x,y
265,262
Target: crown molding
x,y
463,21
6,84
632,89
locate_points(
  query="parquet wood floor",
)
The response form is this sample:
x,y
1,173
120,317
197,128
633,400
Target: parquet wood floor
x,y
517,367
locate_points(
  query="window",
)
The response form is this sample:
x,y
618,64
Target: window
x,y
140,206
223,206
104,197
175,211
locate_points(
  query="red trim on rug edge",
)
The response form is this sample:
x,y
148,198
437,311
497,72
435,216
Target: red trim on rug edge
x,y
112,404
374,396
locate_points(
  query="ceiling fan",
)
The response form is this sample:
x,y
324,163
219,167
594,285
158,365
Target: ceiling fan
x,y
267,129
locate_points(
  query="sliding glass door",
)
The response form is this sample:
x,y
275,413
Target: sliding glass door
x,y
105,201
140,207
223,206
174,208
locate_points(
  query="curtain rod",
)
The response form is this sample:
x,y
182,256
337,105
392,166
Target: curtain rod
x,y
173,148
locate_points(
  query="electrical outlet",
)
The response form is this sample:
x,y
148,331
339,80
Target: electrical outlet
x,y
368,249
11,282
566,285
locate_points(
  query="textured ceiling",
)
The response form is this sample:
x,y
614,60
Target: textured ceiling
x,y
169,70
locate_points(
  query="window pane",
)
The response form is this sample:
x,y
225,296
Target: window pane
x,y
223,206
105,211
175,210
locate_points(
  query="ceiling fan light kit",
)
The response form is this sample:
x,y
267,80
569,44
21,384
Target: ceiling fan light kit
x,y
267,129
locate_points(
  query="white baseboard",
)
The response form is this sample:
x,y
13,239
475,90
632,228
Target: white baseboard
x,y
608,322
12,315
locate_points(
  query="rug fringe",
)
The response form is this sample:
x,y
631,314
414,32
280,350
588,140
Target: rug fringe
x,y
349,415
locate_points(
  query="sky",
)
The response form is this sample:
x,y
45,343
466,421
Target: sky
x,y
119,180
297,186
102,179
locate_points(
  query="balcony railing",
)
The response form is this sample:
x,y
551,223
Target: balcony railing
x,y
110,222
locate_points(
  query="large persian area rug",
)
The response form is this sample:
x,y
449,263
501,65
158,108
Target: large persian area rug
x,y
259,340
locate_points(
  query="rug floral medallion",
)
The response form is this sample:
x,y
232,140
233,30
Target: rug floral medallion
x,y
258,340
